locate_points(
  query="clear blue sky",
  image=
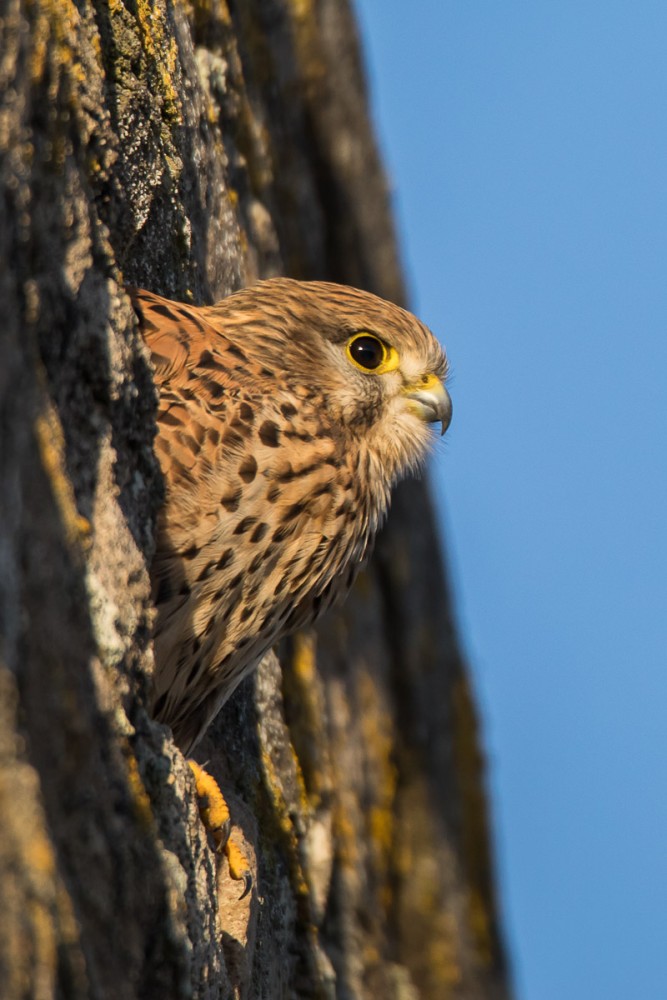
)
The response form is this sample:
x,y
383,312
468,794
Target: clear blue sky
x,y
527,147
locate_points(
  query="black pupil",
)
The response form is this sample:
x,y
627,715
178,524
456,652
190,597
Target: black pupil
x,y
367,352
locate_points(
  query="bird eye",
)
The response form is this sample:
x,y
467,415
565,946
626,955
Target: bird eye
x,y
366,351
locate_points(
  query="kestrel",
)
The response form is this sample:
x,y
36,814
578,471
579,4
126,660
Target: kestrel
x,y
287,412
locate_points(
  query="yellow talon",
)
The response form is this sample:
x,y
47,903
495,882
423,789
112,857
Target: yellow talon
x,y
214,813
238,866
213,809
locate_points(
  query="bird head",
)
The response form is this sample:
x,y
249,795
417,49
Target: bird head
x,y
380,371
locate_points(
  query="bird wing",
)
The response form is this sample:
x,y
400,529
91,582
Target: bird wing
x,y
202,376
185,344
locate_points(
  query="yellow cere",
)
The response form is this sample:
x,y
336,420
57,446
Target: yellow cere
x,y
429,383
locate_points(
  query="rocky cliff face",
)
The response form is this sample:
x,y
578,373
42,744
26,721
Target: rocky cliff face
x,y
189,149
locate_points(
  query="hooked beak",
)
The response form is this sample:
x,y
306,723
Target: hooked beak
x,y
430,401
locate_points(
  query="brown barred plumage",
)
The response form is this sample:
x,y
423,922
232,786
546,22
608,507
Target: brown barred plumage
x,y
279,448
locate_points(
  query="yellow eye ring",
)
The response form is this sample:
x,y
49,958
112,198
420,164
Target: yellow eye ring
x,y
370,354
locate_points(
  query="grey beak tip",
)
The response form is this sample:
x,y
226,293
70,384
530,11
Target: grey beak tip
x,y
446,417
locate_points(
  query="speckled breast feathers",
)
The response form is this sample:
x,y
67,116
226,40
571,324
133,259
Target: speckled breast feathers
x,y
278,451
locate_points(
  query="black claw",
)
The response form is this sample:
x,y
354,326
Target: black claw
x,y
221,836
247,885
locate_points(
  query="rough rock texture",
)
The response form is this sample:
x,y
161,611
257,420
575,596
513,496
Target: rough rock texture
x,y
190,149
